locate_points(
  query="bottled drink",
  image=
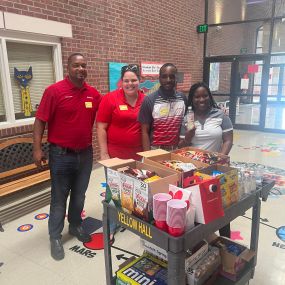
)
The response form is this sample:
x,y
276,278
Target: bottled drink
x,y
190,119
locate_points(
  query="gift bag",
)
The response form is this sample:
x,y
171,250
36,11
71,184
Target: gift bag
x,y
207,200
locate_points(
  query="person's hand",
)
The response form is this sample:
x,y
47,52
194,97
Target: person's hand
x,y
189,135
182,143
104,156
39,158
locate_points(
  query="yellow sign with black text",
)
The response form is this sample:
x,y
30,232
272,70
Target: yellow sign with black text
x,y
134,224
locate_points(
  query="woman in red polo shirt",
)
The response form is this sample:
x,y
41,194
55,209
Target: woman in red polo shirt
x,y
119,132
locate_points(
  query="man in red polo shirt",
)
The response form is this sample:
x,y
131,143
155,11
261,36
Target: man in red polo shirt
x,y
68,107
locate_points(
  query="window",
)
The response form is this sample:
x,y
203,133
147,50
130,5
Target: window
x,y
246,39
37,59
280,8
36,64
259,40
223,11
2,107
278,40
2,103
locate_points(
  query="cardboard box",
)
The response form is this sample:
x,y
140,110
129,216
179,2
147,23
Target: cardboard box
x,y
212,279
233,265
154,157
228,182
199,251
221,158
204,268
144,270
131,193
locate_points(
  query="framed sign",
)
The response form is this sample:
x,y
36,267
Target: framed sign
x,y
150,68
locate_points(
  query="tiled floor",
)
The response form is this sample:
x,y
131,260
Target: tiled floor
x,y
25,257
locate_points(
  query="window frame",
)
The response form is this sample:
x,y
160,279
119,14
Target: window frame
x,y
18,37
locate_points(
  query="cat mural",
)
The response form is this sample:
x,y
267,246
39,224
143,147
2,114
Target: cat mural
x,y
23,78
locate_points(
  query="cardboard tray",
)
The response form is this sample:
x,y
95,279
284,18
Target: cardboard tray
x,y
157,186
154,157
223,159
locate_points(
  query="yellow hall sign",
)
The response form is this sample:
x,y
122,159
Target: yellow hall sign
x,y
134,224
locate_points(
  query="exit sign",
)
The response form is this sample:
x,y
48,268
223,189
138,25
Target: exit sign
x,y
202,28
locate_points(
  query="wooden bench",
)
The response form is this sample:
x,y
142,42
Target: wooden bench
x,y
17,169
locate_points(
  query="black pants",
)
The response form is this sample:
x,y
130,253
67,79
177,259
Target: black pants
x,y
225,231
70,172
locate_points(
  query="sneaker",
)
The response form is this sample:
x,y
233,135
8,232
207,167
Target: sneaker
x,y
56,249
79,232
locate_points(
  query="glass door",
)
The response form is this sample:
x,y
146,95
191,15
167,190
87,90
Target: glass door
x,y
275,103
237,84
218,76
247,93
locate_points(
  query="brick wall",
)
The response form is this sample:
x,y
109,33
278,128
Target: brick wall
x,y
123,31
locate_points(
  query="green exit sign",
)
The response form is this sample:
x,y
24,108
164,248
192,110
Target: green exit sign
x,y
202,28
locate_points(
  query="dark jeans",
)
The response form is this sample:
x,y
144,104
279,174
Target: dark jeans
x,y
70,173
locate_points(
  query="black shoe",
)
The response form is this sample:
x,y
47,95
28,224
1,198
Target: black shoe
x,y
79,233
56,249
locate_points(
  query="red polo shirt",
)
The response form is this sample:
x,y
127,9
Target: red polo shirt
x,y
124,131
70,113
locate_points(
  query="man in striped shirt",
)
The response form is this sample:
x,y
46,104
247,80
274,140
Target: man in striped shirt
x,y
162,112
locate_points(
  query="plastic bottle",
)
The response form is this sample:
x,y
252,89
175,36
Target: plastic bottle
x,y
190,119
259,174
253,180
241,185
247,183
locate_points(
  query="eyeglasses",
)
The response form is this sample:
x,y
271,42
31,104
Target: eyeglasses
x,y
130,67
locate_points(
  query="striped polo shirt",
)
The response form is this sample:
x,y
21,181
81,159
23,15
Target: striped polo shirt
x,y
164,114
209,135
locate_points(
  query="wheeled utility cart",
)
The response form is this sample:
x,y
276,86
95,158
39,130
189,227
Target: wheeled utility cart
x,y
177,246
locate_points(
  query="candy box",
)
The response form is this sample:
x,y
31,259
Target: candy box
x,y
228,177
203,157
234,256
132,193
145,270
158,157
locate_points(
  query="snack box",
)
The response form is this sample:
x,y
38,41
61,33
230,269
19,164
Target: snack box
x,y
132,193
204,268
154,157
228,181
199,251
218,157
233,263
144,270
